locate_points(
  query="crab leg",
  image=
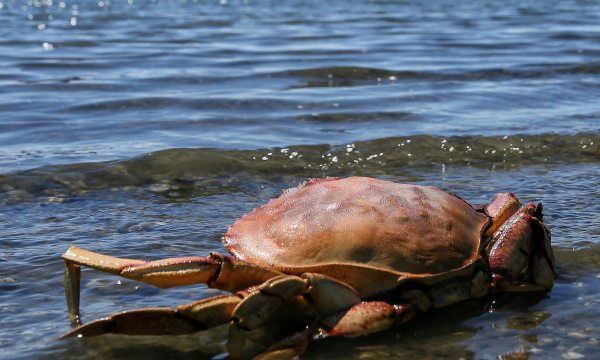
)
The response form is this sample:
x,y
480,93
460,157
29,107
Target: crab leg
x,y
338,306
184,319
72,285
217,271
290,347
211,312
360,319
146,321
325,295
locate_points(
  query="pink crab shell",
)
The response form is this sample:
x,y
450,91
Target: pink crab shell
x,y
366,232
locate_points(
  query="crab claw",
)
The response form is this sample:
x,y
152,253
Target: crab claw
x,y
521,257
365,318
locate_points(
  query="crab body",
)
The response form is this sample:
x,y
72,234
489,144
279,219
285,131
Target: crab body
x,y
343,256
361,231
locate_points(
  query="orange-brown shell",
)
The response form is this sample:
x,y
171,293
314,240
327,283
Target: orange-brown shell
x,y
367,232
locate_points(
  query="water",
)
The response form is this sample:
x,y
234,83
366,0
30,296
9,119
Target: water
x,y
144,128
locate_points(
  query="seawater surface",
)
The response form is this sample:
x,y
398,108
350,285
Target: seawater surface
x,y
143,129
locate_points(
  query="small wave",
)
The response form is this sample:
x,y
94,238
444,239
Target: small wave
x,y
342,117
157,102
351,76
574,36
57,63
190,168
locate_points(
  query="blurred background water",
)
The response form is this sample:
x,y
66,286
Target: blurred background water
x,y
144,128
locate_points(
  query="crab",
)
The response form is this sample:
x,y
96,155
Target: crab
x,y
335,257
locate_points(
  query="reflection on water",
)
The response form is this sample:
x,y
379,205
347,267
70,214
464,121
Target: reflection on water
x,y
143,129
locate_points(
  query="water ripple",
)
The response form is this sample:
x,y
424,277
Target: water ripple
x,y
192,167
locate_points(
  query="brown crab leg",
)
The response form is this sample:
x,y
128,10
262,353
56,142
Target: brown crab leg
x,y
184,319
339,306
146,321
208,313
290,347
361,319
324,294
217,271
542,266
72,285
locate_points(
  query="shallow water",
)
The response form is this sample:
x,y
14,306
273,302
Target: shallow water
x,y
144,128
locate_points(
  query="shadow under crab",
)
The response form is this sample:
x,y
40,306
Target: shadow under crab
x,y
336,257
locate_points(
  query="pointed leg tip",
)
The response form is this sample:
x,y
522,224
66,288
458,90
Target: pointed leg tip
x,y
75,320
